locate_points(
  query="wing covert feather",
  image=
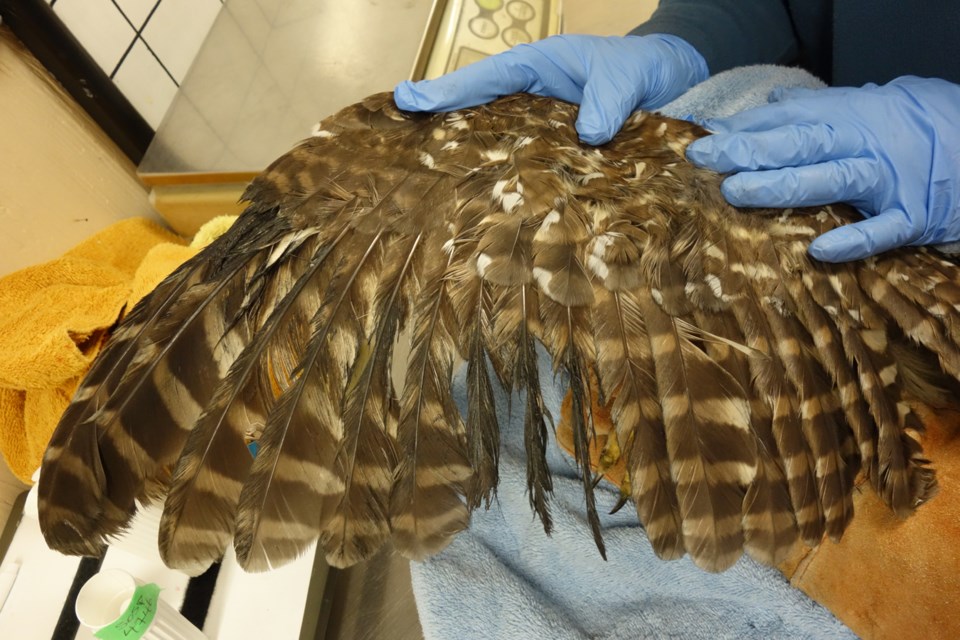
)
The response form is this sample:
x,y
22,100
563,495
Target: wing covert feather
x,y
747,383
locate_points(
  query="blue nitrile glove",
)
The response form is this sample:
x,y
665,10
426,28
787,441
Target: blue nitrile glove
x,y
609,76
892,151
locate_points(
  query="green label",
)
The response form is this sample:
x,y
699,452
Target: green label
x,y
137,618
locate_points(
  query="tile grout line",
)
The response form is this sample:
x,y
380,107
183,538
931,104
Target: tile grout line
x,y
126,52
246,37
139,36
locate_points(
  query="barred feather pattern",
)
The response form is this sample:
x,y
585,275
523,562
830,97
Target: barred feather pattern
x,y
215,460
513,342
748,383
769,524
626,365
140,399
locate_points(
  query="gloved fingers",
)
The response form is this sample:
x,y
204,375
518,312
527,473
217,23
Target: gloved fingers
x,y
605,107
788,146
766,117
523,68
760,118
782,94
867,237
844,180
469,86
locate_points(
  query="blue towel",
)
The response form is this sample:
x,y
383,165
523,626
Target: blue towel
x,y
504,578
735,90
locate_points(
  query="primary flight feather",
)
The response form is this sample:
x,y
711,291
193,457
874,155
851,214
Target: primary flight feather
x,y
748,383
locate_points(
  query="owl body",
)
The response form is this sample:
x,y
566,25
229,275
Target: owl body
x,y
748,385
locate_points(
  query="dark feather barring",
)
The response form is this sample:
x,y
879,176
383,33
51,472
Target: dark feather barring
x,y
748,384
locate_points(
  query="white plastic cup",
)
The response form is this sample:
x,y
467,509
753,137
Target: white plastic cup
x,y
103,601
140,538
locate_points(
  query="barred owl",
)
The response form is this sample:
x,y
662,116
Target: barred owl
x,y
748,383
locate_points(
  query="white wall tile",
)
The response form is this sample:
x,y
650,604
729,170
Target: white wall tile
x,y
201,146
100,28
251,19
270,8
176,30
137,10
145,84
221,77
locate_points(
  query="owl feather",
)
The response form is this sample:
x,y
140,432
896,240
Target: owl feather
x,y
747,383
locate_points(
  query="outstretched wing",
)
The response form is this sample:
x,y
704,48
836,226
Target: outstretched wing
x,y
748,384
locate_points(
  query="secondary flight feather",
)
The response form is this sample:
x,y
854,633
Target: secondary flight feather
x,y
748,383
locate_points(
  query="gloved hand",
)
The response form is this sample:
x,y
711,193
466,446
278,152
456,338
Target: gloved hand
x,y
609,76
892,151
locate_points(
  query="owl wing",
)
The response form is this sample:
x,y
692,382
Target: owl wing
x,y
748,384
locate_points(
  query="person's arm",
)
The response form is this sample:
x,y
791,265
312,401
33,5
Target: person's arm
x,y
728,33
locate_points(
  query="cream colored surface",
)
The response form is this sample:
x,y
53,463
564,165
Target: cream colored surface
x,y
10,488
186,207
605,17
61,178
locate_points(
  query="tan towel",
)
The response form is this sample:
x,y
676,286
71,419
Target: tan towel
x,y
886,578
54,318
892,578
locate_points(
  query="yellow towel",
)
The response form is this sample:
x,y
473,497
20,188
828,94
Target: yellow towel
x,y
54,318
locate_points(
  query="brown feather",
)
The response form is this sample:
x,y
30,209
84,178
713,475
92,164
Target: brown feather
x,y
517,322
434,475
712,456
769,524
625,363
747,382
199,513
118,440
291,491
